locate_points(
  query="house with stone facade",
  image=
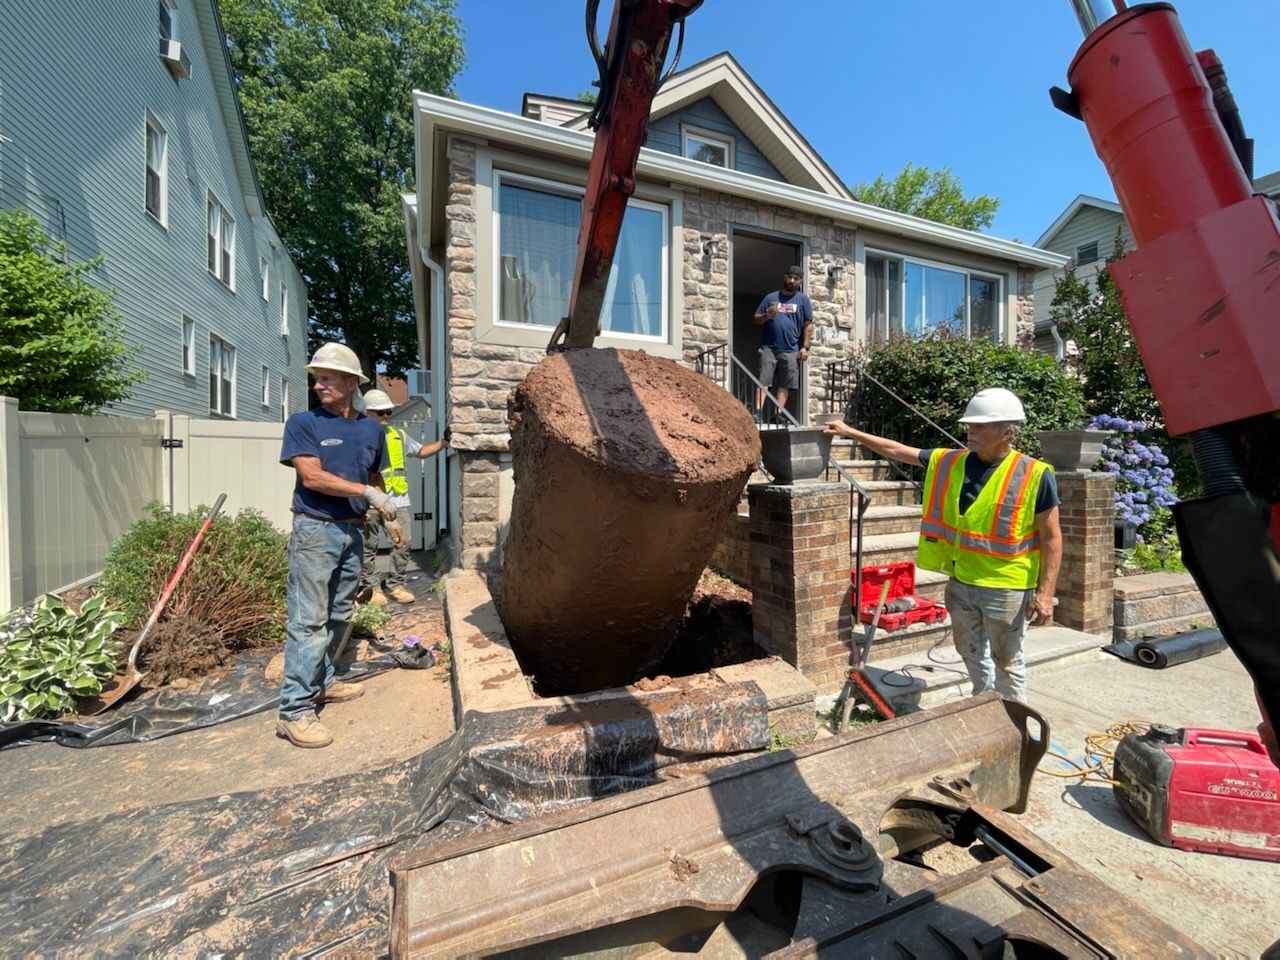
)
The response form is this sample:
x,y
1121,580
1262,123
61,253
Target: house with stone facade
x,y
728,195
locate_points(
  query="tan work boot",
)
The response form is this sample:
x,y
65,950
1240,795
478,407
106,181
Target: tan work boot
x,y
379,599
340,690
306,731
401,595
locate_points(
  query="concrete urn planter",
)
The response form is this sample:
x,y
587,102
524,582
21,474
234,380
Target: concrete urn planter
x,y
1072,449
795,454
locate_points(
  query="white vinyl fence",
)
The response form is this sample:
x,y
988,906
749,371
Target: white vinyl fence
x,y
73,484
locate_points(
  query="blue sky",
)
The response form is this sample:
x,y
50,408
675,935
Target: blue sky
x,y
873,86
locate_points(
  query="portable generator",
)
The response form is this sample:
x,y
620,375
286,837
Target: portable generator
x,y
1195,789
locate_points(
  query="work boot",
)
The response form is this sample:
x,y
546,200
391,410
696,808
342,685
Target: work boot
x,y
364,594
340,690
401,595
379,599
306,731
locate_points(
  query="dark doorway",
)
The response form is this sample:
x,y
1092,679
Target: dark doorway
x,y
759,263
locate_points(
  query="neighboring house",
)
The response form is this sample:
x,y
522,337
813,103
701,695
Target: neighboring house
x,y
120,130
728,195
1086,233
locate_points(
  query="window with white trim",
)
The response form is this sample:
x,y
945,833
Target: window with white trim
x,y
706,146
188,346
264,274
284,399
914,297
222,377
536,231
157,189
166,20
284,310
266,386
221,236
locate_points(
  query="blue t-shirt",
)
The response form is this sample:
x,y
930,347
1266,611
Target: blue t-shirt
x,y
782,333
350,449
978,472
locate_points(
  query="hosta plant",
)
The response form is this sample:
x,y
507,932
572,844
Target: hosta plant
x,y
50,656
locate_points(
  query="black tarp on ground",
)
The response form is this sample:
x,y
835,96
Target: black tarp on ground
x,y
298,871
1160,652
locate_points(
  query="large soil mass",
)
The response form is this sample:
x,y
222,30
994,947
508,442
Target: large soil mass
x,y
626,467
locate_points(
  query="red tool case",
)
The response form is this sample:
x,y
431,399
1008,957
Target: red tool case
x,y
902,584
1197,789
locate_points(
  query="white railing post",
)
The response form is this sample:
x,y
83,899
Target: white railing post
x,y
180,463
11,587
166,460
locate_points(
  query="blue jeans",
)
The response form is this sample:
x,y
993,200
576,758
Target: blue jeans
x,y
324,565
988,624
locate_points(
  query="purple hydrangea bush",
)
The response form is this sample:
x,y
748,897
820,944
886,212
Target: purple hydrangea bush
x,y
1144,478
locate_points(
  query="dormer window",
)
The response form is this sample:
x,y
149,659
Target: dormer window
x,y
707,147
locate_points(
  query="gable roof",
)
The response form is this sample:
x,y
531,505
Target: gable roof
x,y
1268,183
1080,202
724,80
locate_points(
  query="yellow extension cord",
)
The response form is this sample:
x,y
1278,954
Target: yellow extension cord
x,y
1099,752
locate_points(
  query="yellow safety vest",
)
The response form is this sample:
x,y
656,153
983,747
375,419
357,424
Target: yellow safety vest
x,y
994,543
393,477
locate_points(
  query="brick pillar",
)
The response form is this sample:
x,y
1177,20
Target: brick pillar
x,y
1086,584
800,577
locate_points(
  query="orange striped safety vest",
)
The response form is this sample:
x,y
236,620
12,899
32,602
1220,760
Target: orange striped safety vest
x,y
994,543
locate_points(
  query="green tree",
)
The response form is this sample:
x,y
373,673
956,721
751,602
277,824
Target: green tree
x,y
935,195
326,87
61,345
1107,359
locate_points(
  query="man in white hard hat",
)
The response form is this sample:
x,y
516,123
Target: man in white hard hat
x,y
399,446
338,454
990,522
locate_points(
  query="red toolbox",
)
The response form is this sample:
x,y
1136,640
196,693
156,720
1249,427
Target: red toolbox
x,y
1196,789
902,588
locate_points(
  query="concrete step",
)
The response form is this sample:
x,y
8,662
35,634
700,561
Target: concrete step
x,y
884,493
889,547
923,678
890,519
864,470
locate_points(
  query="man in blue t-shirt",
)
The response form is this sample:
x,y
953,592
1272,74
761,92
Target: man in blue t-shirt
x,y
787,318
338,454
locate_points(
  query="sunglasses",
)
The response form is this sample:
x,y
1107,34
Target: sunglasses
x,y
380,413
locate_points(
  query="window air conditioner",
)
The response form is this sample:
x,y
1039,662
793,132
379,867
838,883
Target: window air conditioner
x,y
175,58
419,383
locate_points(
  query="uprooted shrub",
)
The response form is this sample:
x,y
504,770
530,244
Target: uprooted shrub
x,y
231,597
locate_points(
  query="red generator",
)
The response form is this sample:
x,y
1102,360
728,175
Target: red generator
x,y
1195,789
902,606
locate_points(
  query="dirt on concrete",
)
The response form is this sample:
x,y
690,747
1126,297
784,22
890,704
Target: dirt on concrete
x,y
626,467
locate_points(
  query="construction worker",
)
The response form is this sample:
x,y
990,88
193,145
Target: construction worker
x,y
399,445
338,455
990,522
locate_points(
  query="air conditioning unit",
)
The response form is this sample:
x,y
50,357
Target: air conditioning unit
x,y
419,383
175,58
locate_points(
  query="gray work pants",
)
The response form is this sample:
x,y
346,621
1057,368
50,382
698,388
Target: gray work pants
x,y
988,624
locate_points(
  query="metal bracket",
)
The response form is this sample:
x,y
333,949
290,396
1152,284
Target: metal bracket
x,y
423,516
169,443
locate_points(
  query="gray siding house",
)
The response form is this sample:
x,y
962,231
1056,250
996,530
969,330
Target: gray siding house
x,y
729,194
121,132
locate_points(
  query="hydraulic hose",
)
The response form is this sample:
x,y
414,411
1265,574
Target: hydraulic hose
x,y
1216,463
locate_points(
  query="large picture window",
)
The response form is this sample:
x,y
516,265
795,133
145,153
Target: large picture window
x,y
912,297
536,226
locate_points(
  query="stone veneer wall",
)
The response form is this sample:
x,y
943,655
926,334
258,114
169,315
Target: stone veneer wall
x,y
1158,605
1024,330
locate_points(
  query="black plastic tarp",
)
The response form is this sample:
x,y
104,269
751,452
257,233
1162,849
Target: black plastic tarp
x,y
303,870
1160,652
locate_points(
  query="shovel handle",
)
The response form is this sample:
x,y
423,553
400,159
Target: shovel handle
x,y
173,582
871,629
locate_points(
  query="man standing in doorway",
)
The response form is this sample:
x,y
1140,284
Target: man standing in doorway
x,y
990,522
399,446
338,454
787,318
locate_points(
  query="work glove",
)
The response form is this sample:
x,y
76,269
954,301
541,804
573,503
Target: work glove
x,y
397,535
380,500
448,435
372,517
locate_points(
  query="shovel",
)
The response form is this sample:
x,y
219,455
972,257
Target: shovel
x,y
859,686
118,688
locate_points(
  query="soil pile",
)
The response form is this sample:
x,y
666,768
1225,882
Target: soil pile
x,y
626,467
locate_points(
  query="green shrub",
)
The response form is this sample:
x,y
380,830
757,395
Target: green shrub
x,y
940,372
369,619
49,656
234,587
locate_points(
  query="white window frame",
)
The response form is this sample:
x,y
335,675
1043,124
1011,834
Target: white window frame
x,y
171,7
690,134
266,385
284,309
998,334
154,130
284,399
220,239
264,274
578,193
225,347
188,346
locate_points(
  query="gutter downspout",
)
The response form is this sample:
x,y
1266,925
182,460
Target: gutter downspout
x,y
436,317
1060,351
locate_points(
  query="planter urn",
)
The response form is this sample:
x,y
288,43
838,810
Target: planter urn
x,y
1072,449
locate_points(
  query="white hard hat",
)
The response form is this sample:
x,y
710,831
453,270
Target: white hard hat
x,y
994,405
378,400
335,356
